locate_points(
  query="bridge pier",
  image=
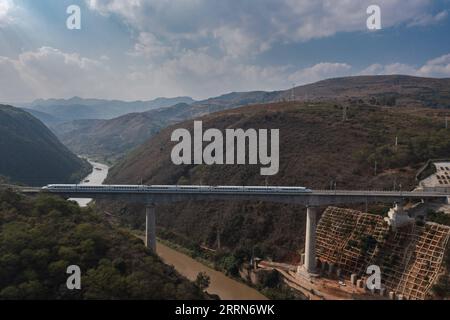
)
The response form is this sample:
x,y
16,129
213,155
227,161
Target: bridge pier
x,y
310,241
309,267
150,227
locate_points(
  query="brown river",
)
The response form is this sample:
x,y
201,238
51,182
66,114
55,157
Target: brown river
x,y
225,287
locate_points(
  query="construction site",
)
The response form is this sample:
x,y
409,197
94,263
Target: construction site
x,y
410,252
411,258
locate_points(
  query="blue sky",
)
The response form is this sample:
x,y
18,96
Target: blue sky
x,y
142,49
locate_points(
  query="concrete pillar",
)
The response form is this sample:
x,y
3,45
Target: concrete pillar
x,y
360,283
382,292
330,269
310,242
392,295
353,278
150,228
302,259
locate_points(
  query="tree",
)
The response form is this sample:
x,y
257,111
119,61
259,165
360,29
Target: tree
x,y
203,281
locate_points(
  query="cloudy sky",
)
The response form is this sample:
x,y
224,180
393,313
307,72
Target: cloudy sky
x,y
142,49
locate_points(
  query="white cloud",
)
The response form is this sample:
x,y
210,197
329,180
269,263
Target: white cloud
x,y
5,8
320,71
438,67
49,72
429,19
236,43
12,86
198,74
393,68
202,75
149,46
243,27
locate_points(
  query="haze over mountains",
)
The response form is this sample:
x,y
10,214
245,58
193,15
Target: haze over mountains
x,y
31,153
55,111
112,138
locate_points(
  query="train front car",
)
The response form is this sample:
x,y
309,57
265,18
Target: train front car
x,y
59,187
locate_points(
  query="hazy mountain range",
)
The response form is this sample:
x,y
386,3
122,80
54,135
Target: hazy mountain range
x,y
54,111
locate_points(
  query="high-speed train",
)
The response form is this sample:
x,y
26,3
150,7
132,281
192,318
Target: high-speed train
x,y
70,188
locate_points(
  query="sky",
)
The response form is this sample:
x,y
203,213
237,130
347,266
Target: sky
x,y
143,49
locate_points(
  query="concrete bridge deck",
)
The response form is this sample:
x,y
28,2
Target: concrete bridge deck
x,y
313,198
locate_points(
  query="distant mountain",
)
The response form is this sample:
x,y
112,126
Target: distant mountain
x,y
46,118
113,138
31,153
393,90
234,99
77,108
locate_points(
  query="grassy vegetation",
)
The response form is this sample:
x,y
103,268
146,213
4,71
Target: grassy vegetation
x,y
438,217
40,238
273,287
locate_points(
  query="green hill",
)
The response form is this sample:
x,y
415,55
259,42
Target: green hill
x,y
40,238
31,154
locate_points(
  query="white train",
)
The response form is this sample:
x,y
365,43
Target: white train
x,y
61,188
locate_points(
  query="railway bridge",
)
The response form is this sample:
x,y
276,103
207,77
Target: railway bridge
x,y
151,196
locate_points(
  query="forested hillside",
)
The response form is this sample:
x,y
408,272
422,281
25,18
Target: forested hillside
x,y
40,238
31,154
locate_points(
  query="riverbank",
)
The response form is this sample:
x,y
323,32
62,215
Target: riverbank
x,y
96,177
221,285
